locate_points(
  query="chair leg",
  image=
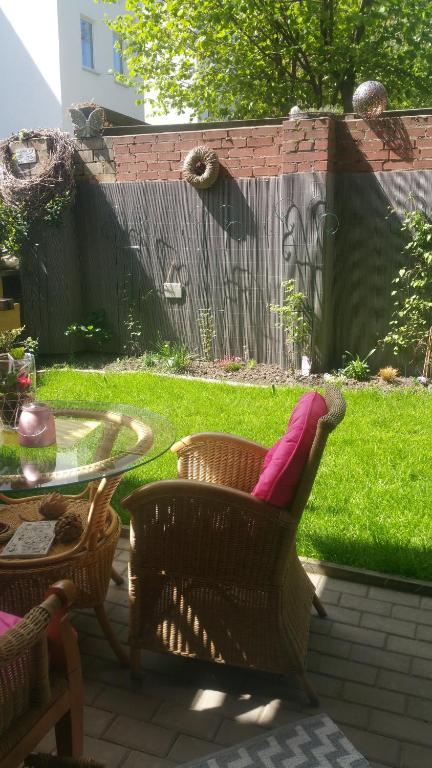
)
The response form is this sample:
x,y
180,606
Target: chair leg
x,y
110,635
135,662
310,691
69,733
117,579
321,611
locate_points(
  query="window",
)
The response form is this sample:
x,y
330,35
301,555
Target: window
x,y
117,54
87,44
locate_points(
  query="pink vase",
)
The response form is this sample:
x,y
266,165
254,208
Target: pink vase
x,y
36,426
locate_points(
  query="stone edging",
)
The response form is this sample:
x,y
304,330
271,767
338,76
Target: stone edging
x,y
359,575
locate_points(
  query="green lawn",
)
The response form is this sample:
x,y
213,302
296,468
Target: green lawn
x,y
371,505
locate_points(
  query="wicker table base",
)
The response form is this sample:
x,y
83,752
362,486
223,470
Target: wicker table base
x,y
87,561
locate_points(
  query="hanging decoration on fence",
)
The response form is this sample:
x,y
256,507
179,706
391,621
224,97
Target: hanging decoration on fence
x,y
201,167
370,99
18,187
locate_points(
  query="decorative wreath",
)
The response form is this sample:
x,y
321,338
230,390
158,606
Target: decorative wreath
x,y
201,167
56,177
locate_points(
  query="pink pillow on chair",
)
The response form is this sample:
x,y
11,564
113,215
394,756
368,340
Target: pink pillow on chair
x,y
286,459
7,621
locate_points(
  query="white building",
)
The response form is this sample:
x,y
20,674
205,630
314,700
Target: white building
x,y
56,53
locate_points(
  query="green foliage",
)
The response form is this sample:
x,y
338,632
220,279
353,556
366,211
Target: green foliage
x,y
412,289
294,317
256,58
17,353
174,357
14,228
356,368
207,332
55,208
9,338
251,363
134,341
31,345
92,330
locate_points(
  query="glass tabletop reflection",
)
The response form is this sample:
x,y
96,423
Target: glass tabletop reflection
x,y
93,440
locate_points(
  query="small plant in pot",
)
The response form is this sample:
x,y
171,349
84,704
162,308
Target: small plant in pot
x,y
17,376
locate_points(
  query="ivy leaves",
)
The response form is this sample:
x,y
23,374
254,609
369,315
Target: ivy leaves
x,y
412,289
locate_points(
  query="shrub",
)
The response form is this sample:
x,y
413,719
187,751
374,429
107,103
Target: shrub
x,y
356,368
175,357
388,373
294,316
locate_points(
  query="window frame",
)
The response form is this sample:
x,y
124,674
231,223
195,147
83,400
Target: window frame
x,y
90,23
117,55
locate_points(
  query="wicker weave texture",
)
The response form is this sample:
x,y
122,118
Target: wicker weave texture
x,y
214,572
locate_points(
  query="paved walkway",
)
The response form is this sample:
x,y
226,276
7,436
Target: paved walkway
x,y
370,662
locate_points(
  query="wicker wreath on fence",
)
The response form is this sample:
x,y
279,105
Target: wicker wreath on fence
x,y
201,167
55,178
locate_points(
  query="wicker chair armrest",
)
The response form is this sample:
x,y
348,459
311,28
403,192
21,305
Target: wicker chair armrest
x,y
220,458
208,532
34,624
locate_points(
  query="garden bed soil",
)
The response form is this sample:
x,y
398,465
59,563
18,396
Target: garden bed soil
x,y
260,374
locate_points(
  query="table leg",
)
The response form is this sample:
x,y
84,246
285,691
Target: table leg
x,y
117,579
110,635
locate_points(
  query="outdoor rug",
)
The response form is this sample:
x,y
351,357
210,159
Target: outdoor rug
x,y
315,742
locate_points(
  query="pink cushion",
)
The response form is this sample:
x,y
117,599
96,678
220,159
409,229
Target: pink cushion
x,y
285,461
7,621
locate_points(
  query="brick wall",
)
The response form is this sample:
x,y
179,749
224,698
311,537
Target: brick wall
x,y
293,146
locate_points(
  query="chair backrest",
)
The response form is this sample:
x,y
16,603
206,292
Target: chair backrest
x,y
336,411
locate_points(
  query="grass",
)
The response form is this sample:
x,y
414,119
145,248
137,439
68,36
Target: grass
x,y
371,504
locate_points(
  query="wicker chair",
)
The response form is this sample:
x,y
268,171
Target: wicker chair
x,y
33,696
214,572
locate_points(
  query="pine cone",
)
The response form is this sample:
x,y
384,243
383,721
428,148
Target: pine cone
x,y
68,528
53,506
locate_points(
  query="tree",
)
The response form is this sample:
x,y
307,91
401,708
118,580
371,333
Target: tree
x,y
256,58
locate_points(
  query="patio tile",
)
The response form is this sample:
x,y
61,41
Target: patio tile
x,y
91,690
329,596
419,615
345,712
379,697
96,721
421,709
388,624
424,633
276,714
137,705
384,750
348,587
110,754
394,681
422,668
393,596
320,626
380,658
416,648
186,720
343,614
187,748
366,604
358,635
407,728
142,736
347,670
231,732
330,645
142,760
415,756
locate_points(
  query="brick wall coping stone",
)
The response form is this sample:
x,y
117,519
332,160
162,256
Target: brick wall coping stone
x,y
126,130
357,575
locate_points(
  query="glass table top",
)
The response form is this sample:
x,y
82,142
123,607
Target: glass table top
x,y
93,440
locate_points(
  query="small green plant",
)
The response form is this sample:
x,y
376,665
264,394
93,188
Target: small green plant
x,y
55,208
133,346
411,321
31,345
251,363
175,357
356,368
9,339
207,332
14,228
295,318
93,330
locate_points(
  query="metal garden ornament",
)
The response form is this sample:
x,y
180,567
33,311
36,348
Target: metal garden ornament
x,y
370,99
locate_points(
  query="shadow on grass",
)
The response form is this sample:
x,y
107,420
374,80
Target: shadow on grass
x,y
384,556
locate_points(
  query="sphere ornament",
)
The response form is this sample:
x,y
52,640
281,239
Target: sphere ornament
x,y
201,167
370,99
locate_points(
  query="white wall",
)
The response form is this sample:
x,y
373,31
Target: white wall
x,y
79,84
30,90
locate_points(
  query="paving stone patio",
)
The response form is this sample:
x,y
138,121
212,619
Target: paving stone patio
x,y
370,661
